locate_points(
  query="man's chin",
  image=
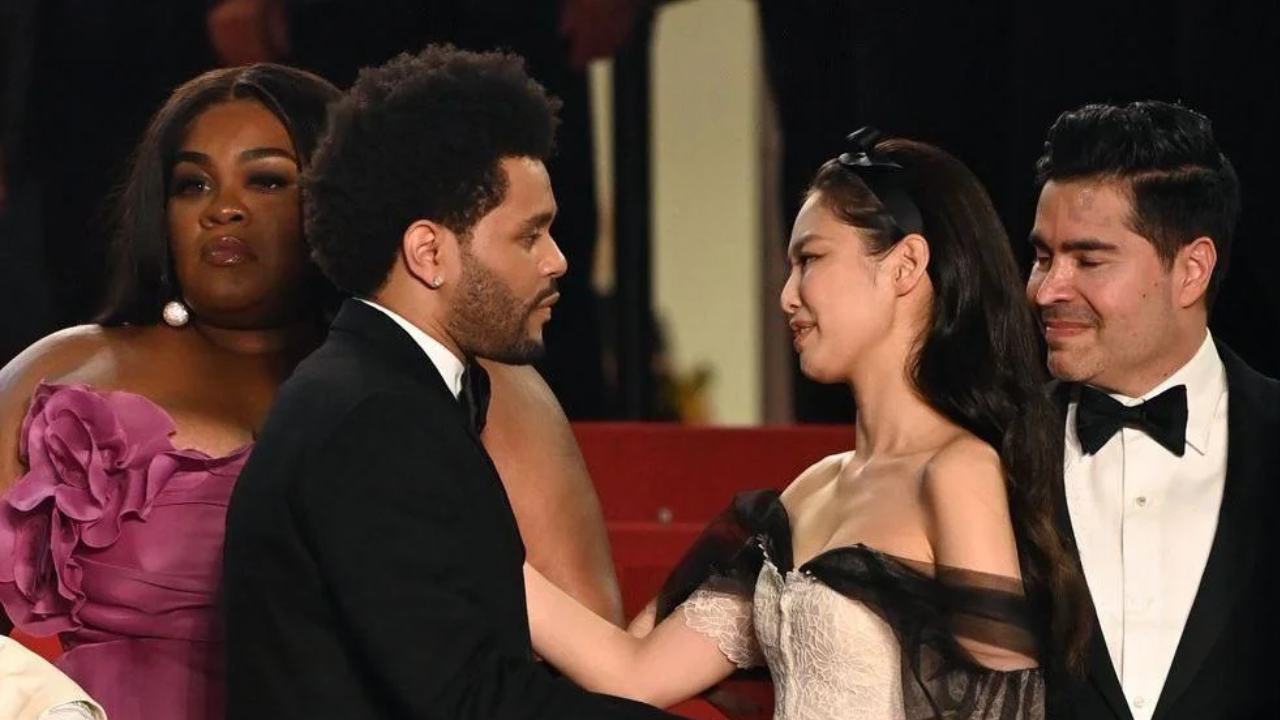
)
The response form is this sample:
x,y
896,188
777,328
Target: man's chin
x,y
522,354
1063,366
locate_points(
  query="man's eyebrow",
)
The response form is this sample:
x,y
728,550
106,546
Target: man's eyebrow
x,y
1084,244
540,220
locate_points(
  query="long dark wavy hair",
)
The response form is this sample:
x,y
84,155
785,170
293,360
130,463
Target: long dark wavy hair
x,y
142,279
978,363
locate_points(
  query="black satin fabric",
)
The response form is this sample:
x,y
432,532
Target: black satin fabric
x,y
930,608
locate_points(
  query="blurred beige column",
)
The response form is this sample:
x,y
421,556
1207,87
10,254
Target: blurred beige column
x,y
707,190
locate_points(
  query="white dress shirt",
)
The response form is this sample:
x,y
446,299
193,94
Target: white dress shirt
x,y
32,689
447,364
1144,520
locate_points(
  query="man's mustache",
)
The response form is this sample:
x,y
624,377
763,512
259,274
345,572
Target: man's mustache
x,y
551,291
1062,313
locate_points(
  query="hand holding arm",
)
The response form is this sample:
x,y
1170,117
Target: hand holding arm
x,y
672,663
406,475
555,503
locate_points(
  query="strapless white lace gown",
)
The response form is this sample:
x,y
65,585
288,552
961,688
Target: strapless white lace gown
x,y
831,658
855,633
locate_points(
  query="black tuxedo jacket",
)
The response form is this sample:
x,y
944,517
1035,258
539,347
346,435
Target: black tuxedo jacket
x,y
1220,670
373,567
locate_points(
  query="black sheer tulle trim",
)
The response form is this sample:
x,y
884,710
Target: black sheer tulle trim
x,y
933,610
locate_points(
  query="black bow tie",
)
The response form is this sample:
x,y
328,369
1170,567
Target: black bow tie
x,y
474,397
1163,418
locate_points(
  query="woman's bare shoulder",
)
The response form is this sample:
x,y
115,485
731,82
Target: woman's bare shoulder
x,y
48,360
55,356
814,477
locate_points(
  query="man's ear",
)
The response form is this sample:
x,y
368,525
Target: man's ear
x,y
428,249
1193,269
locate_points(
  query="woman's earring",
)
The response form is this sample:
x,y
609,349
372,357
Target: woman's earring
x,y
175,314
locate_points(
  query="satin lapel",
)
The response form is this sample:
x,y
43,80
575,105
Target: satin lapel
x,y
1251,437
392,344
1102,675
380,334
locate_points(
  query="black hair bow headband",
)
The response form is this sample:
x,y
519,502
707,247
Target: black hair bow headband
x,y
879,173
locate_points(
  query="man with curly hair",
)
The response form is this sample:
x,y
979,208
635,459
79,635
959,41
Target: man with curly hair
x,y
372,563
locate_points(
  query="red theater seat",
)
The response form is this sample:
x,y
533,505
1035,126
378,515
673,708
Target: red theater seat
x,y
655,472
46,647
659,485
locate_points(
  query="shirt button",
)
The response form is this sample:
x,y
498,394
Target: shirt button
x,y
1141,501
1139,702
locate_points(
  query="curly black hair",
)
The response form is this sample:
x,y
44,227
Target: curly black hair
x,y
1181,185
420,137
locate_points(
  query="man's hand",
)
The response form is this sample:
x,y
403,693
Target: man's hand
x,y
243,32
597,28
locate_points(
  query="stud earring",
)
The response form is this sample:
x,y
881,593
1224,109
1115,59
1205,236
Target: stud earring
x,y
436,282
175,314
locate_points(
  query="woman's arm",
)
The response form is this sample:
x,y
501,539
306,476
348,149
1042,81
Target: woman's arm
x,y
670,664
551,493
643,623
18,380
967,511
45,360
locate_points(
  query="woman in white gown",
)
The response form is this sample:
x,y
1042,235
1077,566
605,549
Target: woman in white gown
x,y
919,576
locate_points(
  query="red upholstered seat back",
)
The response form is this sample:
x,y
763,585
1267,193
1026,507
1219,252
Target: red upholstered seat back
x,y
642,468
659,484
48,648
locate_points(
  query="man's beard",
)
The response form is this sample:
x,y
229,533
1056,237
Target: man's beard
x,y
488,321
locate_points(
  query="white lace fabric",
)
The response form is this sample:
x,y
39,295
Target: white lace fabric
x,y
831,658
725,618
893,643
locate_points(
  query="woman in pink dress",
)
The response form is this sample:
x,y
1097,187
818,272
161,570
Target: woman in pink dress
x,y
120,441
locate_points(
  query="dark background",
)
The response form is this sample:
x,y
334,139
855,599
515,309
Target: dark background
x,y
79,78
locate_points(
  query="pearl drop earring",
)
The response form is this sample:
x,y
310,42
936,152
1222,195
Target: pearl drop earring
x,y
175,314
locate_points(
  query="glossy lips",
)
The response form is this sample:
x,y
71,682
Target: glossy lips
x,y
226,251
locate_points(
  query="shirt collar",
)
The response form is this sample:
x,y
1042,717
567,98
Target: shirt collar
x,y
1206,381
447,364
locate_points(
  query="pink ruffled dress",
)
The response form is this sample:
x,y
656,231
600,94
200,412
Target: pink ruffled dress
x,y
113,540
